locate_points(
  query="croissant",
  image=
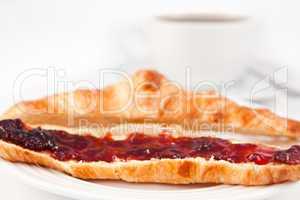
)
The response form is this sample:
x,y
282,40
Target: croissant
x,y
148,97
153,157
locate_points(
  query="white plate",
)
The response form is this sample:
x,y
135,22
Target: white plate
x,y
64,185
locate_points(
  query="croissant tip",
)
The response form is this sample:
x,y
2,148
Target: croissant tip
x,y
148,75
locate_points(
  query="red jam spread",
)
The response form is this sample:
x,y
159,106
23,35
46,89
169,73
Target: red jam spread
x,y
137,146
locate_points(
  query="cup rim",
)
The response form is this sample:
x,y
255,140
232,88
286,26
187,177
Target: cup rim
x,y
207,16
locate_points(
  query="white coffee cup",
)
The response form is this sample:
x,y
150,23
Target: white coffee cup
x,y
215,47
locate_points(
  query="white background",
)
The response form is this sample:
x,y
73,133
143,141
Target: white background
x,y
83,36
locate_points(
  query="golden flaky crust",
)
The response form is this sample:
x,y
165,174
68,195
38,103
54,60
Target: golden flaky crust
x,y
149,96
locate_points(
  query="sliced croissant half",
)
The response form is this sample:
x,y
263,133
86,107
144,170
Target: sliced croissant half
x,y
155,157
149,97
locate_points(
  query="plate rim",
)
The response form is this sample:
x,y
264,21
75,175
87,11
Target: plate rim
x,y
42,184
